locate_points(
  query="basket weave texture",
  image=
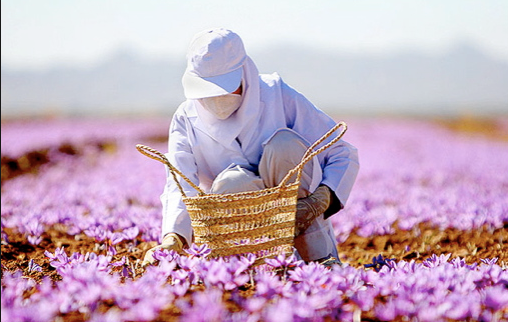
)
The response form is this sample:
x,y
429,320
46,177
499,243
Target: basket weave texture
x,y
260,222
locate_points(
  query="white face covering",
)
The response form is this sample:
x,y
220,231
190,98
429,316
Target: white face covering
x,y
222,106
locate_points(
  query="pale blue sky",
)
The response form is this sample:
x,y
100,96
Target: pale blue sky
x,y
39,33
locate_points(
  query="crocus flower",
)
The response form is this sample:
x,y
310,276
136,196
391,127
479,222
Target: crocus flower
x,y
35,229
489,261
5,238
207,307
378,263
165,254
282,262
198,251
97,232
33,266
434,260
131,233
496,298
268,285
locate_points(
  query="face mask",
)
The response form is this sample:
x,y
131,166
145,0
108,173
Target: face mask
x,y
222,106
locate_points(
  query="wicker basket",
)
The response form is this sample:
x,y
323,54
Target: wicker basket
x,y
260,222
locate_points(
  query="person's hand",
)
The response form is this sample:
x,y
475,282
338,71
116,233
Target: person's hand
x,y
171,241
311,207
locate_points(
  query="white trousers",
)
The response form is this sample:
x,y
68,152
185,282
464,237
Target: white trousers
x,y
281,153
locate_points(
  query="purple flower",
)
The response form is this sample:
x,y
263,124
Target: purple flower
x,y
180,282
5,238
238,265
364,299
111,251
489,261
280,311
282,262
115,238
461,263
224,275
459,307
198,251
59,258
33,266
151,234
161,254
312,277
101,262
268,285
491,275
207,306
255,304
34,240
131,233
120,262
496,298
407,267
97,232
34,230
216,274
387,311
188,263
58,251
126,271
379,262
249,259
434,260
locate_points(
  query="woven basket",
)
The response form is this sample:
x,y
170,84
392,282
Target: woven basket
x,y
260,222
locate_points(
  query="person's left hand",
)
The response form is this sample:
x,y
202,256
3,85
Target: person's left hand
x,y
311,207
171,241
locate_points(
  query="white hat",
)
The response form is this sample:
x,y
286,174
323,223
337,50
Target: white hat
x,y
214,64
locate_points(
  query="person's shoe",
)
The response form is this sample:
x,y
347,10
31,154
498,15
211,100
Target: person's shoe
x,y
329,261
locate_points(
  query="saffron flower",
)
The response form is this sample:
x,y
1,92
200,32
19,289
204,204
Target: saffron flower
x,y
198,251
378,263
33,266
282,262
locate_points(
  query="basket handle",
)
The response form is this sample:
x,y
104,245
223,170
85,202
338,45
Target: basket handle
x,y
310,153
156,155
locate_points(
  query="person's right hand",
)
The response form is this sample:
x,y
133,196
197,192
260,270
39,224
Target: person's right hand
x,y
171,241
311,207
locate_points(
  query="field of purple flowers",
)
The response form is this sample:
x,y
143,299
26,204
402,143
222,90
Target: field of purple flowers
x,y
423,237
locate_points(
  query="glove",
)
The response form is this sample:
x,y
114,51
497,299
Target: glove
x,y
311,207
171,241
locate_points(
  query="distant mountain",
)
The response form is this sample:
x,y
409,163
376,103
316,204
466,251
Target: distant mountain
x,y
461,80
124,83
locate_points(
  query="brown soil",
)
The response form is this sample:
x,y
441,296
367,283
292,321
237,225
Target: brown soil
x,y
407,245
356,251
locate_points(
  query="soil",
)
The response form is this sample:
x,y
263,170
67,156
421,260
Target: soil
x,y
355,251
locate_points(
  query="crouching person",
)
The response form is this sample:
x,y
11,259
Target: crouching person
x,y
239,130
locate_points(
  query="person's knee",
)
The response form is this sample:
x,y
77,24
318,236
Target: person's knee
x,y
285,141
236,179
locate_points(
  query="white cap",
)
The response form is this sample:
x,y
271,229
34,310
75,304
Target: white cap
x,y
214,64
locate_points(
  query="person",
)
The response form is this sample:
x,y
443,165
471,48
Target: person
x,y
239,130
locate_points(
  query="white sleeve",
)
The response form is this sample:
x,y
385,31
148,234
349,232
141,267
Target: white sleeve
x,y
175,218
339,163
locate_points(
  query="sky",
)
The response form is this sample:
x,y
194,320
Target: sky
x,y
39,34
